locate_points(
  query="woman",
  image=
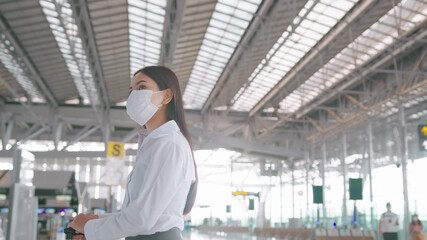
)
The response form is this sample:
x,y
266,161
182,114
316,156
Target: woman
x,y
162,185
415,228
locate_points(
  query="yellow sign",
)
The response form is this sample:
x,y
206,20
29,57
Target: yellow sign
x,y
240,193
116,150
424,130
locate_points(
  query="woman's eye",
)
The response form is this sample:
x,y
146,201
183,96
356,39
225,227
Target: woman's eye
x,y
141,87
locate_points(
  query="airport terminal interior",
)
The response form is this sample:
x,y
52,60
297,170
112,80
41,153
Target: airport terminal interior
x,y
308,118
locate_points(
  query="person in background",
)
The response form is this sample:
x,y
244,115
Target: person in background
x,y
415,228
389,225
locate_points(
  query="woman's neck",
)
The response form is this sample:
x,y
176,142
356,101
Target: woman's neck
x,y
156,121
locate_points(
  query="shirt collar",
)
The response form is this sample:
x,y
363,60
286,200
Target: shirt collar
x,y
164,129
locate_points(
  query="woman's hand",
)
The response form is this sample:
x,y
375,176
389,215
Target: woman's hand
x,y
80,221
81,237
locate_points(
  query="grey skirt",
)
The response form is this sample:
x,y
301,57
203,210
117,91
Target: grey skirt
x,y
172,234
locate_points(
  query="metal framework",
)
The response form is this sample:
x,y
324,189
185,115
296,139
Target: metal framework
x,y
300,83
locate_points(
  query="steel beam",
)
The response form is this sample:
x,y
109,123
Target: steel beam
x,y
173,20
372,111
250,33
81,135
280,152
364,73
33,134
341,27
28,133
84,23
10,35
131,135
25,105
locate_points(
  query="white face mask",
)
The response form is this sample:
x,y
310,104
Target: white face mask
x,y
139,106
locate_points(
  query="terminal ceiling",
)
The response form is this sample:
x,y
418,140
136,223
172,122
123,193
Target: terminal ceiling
x,y
268,78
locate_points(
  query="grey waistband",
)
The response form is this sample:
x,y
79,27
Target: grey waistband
x,y
172,234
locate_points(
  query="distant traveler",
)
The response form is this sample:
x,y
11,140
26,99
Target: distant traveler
x,y
163,183
415,228
389,225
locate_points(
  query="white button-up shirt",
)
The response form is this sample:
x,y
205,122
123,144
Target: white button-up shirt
x,y
156,190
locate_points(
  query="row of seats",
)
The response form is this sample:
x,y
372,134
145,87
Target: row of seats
x,y
344,234
318,234
223,229
290,233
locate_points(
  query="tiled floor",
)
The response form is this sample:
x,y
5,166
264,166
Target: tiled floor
x,y
197,235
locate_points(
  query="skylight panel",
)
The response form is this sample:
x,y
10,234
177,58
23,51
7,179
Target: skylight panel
x,y
310,26
226,27
60,18
145,32
367,45
15,67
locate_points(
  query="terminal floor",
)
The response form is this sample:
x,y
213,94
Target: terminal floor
x,y
202,235
198,235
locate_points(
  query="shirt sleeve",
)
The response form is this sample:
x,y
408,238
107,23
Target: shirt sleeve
x,y
160,184
105,215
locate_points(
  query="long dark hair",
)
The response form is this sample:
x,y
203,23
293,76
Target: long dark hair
x,y
166,78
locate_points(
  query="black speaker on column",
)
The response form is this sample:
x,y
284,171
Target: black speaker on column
x,y
356,188
317,194
251,204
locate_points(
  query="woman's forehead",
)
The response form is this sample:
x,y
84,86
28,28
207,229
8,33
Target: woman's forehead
x,y
141,77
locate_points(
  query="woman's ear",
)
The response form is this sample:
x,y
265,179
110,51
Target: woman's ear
x,y
167,97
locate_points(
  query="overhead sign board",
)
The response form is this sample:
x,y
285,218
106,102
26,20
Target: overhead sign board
x,y
243,193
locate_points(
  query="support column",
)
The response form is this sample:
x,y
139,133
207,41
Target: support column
x,y
293,190
370,165
281,197
17,159
307,163
323,178
344,174
231,195
8,133
404,160
106,130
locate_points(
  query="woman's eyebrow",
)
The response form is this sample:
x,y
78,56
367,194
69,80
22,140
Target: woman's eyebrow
x,y
137,83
